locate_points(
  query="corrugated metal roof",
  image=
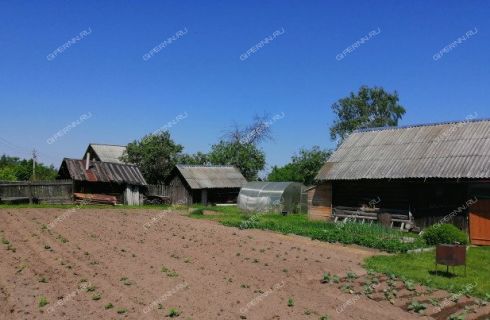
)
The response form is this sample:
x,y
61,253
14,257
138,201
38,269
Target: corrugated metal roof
x,y
107,152
211,177
103,172
446,150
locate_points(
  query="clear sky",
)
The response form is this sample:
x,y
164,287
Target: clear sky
x,y
206,74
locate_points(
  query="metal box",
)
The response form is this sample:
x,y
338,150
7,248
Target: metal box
x,y
451,255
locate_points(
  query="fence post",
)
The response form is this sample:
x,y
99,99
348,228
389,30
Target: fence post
x,y
29,184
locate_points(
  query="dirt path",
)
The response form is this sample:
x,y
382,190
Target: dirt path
x,y
202,269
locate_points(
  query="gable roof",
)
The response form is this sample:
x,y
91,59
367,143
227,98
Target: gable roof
x,y
443,150
106,152
101,172
211,177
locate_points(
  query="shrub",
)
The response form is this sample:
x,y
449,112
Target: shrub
x,y
444,234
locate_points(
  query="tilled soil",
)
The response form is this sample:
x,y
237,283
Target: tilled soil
x,y
121,264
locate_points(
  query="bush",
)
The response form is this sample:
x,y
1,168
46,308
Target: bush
x,y
444,234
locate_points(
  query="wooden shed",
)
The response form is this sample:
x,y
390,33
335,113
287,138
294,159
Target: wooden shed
x,y
431,173
123,181
189,184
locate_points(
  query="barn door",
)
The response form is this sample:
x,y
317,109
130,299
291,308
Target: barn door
x,y
480,223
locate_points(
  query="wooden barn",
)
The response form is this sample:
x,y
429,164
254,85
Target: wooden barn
x,y
190,184
426,173
95,179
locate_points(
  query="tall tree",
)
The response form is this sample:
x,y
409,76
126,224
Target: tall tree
x,y
155,154
369,108
247,157
303,167
239,147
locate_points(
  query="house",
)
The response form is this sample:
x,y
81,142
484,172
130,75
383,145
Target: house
x,y
190,184
279,197
122,181
105,152
433,173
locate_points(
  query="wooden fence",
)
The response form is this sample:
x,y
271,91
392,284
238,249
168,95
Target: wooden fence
x,y
54,191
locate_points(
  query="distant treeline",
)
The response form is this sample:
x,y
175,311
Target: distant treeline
x,y
16,169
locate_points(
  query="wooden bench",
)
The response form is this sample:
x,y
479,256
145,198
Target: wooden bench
x,y
398,218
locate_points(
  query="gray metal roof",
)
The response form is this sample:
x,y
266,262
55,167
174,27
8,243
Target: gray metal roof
x,y
107,152
211,177
446,150
101,172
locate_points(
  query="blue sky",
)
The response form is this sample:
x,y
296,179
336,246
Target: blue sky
x,y
201,73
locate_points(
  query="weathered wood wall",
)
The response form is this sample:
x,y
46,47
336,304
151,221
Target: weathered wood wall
x,y
158,190
320,202
56,191
179,193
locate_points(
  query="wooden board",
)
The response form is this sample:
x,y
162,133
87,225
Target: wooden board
x,y
96,198
480,223
320,202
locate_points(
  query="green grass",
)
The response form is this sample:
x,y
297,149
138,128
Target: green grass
x,y
372,236
420,267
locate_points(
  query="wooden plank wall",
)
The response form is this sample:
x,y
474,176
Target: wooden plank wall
x,y
158,190
428,200
55,191
320,202
179,194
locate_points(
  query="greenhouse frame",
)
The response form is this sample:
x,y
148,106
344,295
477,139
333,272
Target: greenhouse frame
x,y
279,197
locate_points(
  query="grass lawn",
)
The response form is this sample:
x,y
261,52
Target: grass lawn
x,y
372,236
420,268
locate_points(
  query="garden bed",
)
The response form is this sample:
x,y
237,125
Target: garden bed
x,y
371,236
420,267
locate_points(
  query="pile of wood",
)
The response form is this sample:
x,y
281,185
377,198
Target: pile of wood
x,y
389,217
94,198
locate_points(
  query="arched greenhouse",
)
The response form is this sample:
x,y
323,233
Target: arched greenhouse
x,y
280,197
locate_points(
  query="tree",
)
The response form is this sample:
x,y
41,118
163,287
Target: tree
x,y
303,167
156,155
198,158
369,108
288,172
239,146
7,174
245,156
257,132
